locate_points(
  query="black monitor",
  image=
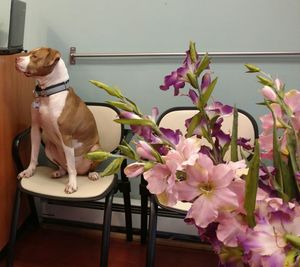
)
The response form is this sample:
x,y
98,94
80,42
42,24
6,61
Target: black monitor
x,y
16,28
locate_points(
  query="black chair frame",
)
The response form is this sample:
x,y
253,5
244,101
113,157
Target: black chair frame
x,y
153,210
122,185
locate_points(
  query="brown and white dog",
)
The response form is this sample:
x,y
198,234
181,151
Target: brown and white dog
x,y
59,117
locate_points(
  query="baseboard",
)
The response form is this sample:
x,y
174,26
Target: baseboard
x,y
91,213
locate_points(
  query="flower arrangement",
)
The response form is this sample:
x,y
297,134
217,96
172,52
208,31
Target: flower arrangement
x,y
247,209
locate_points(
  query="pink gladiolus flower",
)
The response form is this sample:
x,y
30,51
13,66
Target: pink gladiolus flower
x,y
267,241
145,151
206,186
266,145
134,169
161,182
269,93
267,120
231,228
292,99
186,152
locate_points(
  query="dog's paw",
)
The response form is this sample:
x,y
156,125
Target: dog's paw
x,y
26,173
58,173
94,176
70,188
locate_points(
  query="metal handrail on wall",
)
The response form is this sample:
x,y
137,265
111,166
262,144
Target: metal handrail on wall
x,y
73,54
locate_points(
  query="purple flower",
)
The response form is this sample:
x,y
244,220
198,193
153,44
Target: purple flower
x,y
217,108
244,143
172,136
178,78
193,96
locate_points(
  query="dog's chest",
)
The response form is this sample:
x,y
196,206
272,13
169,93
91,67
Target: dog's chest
x,y
49,109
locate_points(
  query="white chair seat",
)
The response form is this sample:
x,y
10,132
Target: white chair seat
x,y
41,183
181,207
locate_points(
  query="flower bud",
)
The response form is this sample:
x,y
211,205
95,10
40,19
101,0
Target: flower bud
x,y
269,93
98,155
206,81
252,68
113,91
145,151
278,84
128,115
134,169
193,52
193,96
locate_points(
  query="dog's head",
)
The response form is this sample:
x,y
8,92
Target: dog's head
x,y
38,62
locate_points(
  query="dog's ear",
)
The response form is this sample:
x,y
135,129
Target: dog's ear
x,y
53,57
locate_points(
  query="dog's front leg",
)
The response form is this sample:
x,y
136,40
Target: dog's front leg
x,y
35,135
70,159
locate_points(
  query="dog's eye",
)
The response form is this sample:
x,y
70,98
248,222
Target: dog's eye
x,y
33,56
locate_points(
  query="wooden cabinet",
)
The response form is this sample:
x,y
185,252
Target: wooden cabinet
x,y
15,101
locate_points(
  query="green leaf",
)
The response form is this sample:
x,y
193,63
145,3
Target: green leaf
x,y
148,165
252,68
205,61
290,258
265,81
113,167
193,125
193,80
290,188
127,151
206,95
232,255
277,160
251,186
141,122
136,108
98,155
234,137
292,146
293,240
121,105
113,91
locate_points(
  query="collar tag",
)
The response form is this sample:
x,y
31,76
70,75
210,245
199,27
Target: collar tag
x,y
36,104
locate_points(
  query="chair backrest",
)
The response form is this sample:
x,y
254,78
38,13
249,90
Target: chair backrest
x,y
174,118
110,132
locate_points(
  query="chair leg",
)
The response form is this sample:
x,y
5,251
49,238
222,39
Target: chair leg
x,y
125,188
106,230
33,216
13,229
144,210
150,258
127,207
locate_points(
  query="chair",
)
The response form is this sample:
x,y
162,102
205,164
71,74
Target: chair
x,y
174,118
42,186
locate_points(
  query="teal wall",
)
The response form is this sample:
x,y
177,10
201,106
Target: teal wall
x,y
4,21
168,26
